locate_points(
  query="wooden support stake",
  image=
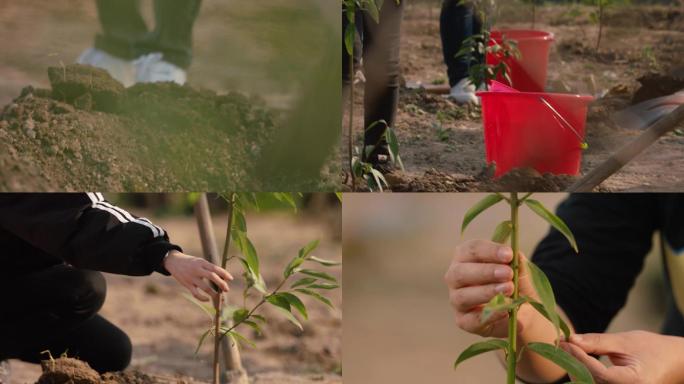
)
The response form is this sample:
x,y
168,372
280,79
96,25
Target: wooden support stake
x,y
234,373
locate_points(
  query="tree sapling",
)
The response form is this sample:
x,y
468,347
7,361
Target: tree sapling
x,y
546,306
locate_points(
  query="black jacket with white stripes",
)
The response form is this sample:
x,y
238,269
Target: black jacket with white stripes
x,y
82,229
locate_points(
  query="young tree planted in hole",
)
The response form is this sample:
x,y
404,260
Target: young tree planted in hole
x,y
358,167
546,306
476,47
598,16
534,4
285,296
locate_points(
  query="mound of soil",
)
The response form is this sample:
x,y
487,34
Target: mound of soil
x,y
89,132
66,370
517,180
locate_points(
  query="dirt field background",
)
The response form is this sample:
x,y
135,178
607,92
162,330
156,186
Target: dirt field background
x,y
399,327
442,145
164,326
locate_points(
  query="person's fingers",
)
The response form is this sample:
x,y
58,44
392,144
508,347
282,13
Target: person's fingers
x,y
597,343
601,373
211,276
464,299
219,271
204,286
467,274
197,293
483,251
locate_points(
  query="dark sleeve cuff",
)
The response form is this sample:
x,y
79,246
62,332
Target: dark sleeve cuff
x,y
155,253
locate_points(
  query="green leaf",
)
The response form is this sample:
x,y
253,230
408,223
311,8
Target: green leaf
x,y
307,249
323,286
339,196
283,305
478,208
303,281
239,221
316,296
259,317
206,307
480,348
552,219
289,270
239,338
202,338
253,325
543,287
499,303
295,302
577,370
286,198
540,308
318,274
240,315
373,11
324,262
247,249
349,37
502,232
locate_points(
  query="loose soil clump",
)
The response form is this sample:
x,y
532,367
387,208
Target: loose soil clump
x,y
89,132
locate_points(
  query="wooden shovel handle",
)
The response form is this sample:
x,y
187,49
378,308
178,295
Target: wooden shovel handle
x,y
628,152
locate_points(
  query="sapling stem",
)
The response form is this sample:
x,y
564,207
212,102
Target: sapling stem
x,y
219,298
512,355
350,145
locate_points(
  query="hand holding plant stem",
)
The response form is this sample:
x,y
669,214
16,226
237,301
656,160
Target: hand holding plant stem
x,y
509,304
311,281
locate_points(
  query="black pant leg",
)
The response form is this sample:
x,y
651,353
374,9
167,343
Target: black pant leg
x,y
172,34
55,309
381,46
122,27
457,22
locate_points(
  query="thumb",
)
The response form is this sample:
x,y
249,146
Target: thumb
x,y
597,343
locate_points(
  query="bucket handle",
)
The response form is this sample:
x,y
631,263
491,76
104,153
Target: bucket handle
x,y
562,119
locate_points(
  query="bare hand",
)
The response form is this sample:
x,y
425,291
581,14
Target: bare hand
x,y
638,357
197,274
478,272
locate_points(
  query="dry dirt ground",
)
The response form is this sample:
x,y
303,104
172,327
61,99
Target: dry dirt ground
x,y
252,50
442,145
165,327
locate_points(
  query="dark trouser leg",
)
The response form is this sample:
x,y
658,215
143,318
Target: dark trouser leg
x,y
381,46
457,22
172,34
55,309
122,27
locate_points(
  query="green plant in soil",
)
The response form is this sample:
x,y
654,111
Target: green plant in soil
x,y
546,306
284,296
476,47
534,4
358,167
598,16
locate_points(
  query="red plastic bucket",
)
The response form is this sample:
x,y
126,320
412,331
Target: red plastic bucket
x,y
544,131
528,73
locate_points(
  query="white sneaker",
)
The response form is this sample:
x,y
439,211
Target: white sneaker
x,y
464,92
121,70
152,69
4,372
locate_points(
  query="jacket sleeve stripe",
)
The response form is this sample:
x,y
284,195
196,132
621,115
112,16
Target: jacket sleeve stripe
x,y
122,215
